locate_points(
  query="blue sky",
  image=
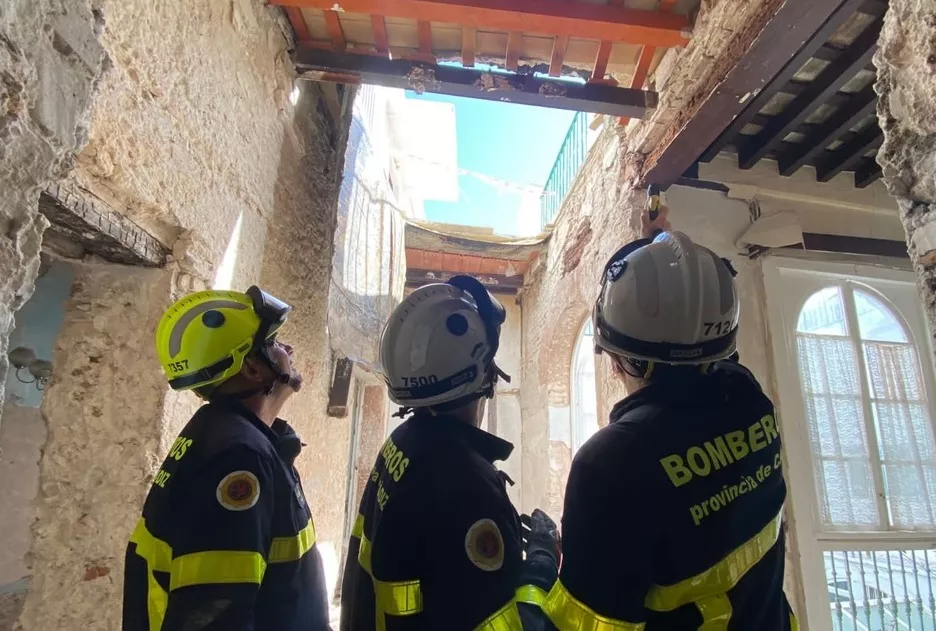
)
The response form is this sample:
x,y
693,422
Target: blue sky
x,y
517,143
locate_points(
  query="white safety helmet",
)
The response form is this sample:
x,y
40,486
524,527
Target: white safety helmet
x,y
669,301
438,346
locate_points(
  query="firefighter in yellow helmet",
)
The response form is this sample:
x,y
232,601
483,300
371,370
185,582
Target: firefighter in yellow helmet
x,y
226,539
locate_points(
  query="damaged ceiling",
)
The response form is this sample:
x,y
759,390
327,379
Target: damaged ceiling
x,y
820,109
612,45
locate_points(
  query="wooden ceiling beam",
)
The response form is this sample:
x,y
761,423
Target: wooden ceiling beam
x,y
514,46
867,173
820,90
600,68
837,16
299,24
316,64
560,43
556,17
379,29
849,153
859,107
777,39
642,70
469,35
335,34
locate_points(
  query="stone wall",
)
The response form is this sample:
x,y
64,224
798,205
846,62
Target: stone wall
x,y
906,87
49,62
198,137
103,413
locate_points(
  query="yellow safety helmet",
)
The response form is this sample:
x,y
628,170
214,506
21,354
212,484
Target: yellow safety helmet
x,y
203,338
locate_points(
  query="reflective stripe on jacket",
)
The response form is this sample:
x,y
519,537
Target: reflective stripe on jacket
x,y
437,543
672,513
226,540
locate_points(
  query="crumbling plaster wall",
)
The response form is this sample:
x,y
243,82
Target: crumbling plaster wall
x,y
195,129
906,87
103,410
49,63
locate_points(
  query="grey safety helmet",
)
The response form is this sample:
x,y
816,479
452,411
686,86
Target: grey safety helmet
x,y
667,301
437,350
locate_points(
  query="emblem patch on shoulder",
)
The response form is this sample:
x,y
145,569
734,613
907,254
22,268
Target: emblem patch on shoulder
x,y
484,545
238,491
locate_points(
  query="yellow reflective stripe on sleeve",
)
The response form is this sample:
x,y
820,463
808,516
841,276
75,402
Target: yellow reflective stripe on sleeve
x,y
718,579
364,555
530,594
286,549
158,557
398,598
716,612
570,614
358,530
507,618
216,567
794,623
395,598
157,552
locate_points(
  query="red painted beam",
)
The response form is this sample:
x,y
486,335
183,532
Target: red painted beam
x,y
379,29
468,46
557,17
514,43
299,24
334,31
601,61
558,55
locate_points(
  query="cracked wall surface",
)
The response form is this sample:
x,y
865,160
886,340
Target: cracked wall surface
x,y
906,87
103,412
197,137
49,61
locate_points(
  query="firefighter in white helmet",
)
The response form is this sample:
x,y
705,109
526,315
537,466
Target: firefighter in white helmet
x,y
672,511
437,544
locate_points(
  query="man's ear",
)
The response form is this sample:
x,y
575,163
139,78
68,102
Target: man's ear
x,y
616,366
252,369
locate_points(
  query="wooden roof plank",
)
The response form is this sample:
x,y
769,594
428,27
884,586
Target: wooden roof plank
x,y
776,83
832,77
558,54
299,24
555,17
780,37
379,29
600,68
849,153
867,173
334,31
469,34
514,44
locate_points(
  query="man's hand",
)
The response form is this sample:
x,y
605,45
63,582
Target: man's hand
x,y
649,228
540,534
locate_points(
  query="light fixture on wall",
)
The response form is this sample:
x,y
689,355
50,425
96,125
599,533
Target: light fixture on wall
x,y
39,370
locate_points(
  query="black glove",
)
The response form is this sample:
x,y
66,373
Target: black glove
x,y
540,536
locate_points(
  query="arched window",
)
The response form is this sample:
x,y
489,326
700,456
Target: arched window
x,y
870,431
584,392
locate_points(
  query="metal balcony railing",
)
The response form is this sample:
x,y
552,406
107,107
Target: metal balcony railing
x,y
565,169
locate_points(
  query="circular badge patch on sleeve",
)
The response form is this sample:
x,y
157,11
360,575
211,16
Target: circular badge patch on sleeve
x,y
484,545
238,491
